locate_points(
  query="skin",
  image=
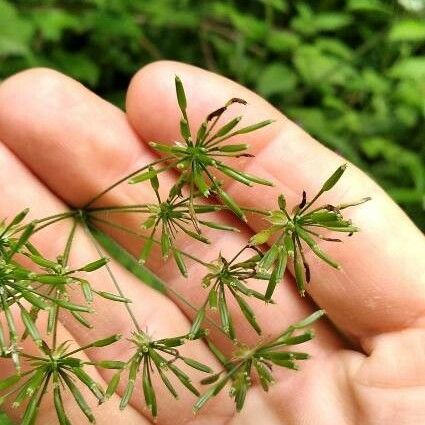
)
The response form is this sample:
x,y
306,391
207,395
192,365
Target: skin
x,y
61,145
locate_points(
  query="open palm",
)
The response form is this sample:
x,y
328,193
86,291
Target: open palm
x,y
61,145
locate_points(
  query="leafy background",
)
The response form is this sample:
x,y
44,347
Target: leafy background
x,y
351,72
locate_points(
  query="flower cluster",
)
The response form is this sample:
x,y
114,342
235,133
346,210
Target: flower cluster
x,y
59,368
292,231
33,285
230,277
160,356
261,359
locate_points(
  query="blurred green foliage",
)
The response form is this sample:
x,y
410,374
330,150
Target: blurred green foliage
x,y
351,72
4,420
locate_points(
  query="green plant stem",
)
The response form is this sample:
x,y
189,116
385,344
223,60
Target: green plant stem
x,y
111,275
141,236
167,288
142,208
122,180
125,208
69,241
50,219
65,260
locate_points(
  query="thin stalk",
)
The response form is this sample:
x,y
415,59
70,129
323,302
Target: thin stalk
x,y
309,204
37,229
117,183
125,208
65,260
68,245
54,218
111,275
141,209
167,288
141,236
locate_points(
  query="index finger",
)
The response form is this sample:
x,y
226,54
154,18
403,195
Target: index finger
x,y
383,267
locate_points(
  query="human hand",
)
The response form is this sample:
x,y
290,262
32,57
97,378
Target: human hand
x,y
62,145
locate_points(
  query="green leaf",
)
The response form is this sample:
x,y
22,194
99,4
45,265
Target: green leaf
x,y
331,21
23,239
95,265
73,307
276,79
282,41
281,202
181,95
234,174
264,374
308,321
178,257
146,175
89,383
80,66
184,129
31,409
165,244
198,178
106,341
34,299
197,323
43,262
268,259
52,279
4,420
113,385
9,381
201,132
203,399
298,339
408,30
299,273
410,67
197,365
111,364
277,274
315,66
213,299
18,218
15,32
30,327
146,250
60,410
113,297
248,313
333,179
372,7
183,378
171,342
315,248
230,203
283,355
253,127
227,127
226,319
218,226
261,237
79,398
128,392
233,148
53,22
